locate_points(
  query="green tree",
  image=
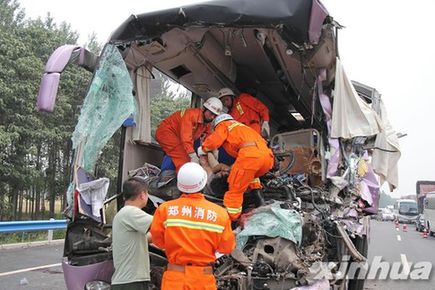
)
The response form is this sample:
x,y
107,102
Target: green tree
x,y
34,148
385,199
165,99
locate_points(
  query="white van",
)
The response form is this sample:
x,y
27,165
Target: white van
x,y
405,210
429,212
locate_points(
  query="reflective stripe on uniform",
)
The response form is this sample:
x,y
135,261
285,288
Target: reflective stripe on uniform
x,y
233,125
194,225
234,210
256,180
182,113
239,108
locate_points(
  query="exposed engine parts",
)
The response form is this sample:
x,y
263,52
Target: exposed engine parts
x,y
293,226
329,217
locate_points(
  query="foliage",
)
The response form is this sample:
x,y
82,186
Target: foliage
x,y
35,148
35,153
24,237
107,164
165,99
385,199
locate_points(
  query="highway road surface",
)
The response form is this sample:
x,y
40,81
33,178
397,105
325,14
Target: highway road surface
x,y
38,268
35,268
404,248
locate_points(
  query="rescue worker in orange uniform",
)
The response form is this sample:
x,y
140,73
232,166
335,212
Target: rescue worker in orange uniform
x,y
177,133
253,159
191,230
247,110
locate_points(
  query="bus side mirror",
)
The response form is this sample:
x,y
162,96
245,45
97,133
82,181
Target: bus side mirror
x,y
61,57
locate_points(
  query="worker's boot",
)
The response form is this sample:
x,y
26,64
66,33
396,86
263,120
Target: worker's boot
x,y
218,186
252,199
257,195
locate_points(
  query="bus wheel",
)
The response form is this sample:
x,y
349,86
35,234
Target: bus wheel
x,y
429,230
361,244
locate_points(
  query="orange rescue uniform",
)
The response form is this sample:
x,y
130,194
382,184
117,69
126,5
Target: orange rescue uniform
x,y
177,133
191,229
253,159
249,111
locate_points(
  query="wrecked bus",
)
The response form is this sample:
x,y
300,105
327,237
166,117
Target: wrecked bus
x,y
331,138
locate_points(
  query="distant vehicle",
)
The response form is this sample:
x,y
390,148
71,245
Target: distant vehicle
x,y
386,214
420,223
423,187
378,215
405,210
429,212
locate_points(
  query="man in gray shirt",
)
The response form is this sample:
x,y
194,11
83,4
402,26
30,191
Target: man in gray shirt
x,y
129,238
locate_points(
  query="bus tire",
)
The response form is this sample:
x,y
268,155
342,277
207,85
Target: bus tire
x,y
361,244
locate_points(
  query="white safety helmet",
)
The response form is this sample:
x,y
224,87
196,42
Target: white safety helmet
x,y
225,92
191,178
221,118
214,105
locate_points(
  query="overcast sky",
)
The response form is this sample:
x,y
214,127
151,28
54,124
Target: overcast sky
x,y
387,44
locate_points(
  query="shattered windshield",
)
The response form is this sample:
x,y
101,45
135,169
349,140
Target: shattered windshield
x,y
107,105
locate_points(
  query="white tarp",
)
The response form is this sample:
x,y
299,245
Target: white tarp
x,y
351,116
385,162
94,193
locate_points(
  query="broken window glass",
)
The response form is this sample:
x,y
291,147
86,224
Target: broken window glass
x,y
108,103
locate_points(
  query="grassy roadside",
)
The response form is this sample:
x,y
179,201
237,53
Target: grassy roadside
x,y
35,236
25,237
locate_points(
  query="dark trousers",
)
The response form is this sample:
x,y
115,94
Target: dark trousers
x,y
131,286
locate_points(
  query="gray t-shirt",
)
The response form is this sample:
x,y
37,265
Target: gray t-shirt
x,y
130,245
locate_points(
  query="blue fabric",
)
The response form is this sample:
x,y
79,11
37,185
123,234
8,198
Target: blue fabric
x,y
224,157
129,122
167,164
196,144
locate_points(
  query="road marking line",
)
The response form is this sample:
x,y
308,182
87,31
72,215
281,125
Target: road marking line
x,y
405,264
399,238
29,269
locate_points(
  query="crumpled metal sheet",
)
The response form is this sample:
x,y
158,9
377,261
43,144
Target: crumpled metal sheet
x,y
108,103
355,227
272,221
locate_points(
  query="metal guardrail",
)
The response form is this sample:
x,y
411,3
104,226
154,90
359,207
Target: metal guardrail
x,y
27,226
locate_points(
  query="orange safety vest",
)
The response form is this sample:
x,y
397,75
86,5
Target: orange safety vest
x,y
191,229
183,127
253,159
233,136
249,111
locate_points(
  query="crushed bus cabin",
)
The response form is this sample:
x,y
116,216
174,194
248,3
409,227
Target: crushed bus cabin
x,y
332,143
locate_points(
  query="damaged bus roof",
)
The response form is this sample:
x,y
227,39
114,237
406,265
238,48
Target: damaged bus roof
x,y
274,50
301,20
271,51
